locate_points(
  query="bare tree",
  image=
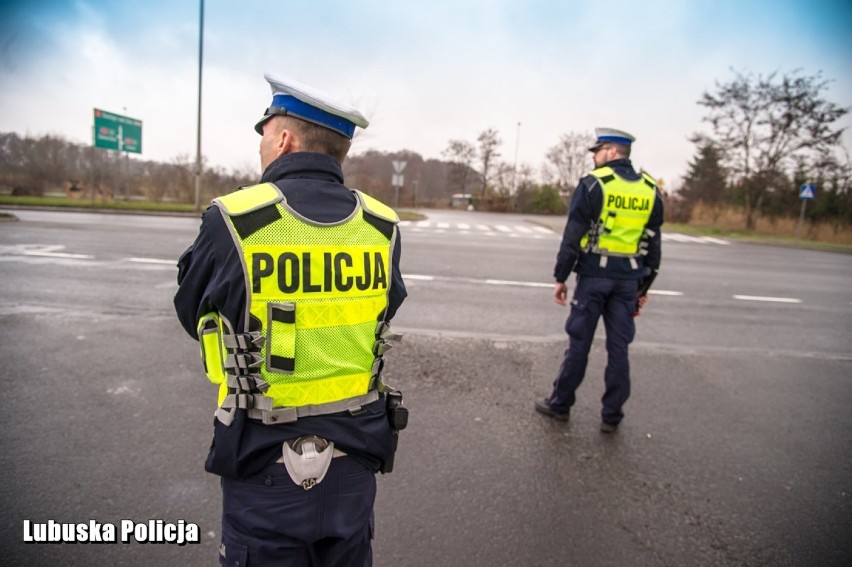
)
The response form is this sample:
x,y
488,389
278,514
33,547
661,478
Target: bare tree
x,y
35,165
182,178
460,154
489,141
524,177
568,160
764,125
502,178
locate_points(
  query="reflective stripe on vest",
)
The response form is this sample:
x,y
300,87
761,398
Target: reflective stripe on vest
x,y
626,209
213,351
316,294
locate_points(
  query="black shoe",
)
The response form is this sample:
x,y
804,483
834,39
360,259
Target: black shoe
x,y
608,427
542,406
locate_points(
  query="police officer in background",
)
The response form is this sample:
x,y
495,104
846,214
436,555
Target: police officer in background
x,y
612,241
289,289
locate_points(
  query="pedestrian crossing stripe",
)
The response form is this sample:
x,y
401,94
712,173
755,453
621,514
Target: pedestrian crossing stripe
x,y
530,231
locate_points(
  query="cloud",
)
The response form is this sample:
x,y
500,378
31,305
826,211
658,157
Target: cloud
x,y
424,73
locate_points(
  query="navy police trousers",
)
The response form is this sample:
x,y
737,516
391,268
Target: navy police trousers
x,y
615,300
269,520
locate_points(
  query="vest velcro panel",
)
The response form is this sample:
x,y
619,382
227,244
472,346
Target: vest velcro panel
x,y
281,348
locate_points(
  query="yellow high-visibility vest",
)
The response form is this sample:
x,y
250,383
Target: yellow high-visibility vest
x,y
627,207
316,295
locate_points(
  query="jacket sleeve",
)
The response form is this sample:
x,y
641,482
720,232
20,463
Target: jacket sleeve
x,y
194,270
585,206
209,279
655,223
397,292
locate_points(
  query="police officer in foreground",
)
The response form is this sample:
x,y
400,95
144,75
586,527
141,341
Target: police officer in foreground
x,y
289,289
612,241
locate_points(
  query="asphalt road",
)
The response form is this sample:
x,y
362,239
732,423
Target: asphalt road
x,y
736,448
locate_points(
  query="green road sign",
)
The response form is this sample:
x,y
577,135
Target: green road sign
x,y
116,132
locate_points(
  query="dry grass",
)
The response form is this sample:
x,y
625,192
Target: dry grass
x,y
733,219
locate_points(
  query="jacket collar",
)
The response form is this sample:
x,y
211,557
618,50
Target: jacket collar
x,y
619,163
303,165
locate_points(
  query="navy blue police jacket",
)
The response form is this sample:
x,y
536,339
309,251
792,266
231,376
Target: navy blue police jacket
x,y
585,209
210,278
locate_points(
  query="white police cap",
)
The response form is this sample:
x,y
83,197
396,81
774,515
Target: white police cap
x,y
611,136
292,98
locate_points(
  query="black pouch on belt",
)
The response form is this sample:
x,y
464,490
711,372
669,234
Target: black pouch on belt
x,y
398,418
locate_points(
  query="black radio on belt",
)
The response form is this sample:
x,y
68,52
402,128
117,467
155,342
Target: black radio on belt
x,y
398,419
397,413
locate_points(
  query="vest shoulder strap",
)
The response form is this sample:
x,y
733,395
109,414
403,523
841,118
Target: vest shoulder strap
x,y
603,174
650,181
249,199
606,174
375,207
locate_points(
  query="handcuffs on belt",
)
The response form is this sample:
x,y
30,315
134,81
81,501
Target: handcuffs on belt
x,y
307,459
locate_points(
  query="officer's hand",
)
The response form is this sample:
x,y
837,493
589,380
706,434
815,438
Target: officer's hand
x,y
560,293
640,303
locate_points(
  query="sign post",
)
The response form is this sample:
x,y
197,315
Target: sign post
x,y
806,193
117,132
397,180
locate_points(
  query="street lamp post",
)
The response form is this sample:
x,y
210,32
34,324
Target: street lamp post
x,y
198,132
515,167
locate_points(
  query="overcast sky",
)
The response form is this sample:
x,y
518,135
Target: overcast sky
x,y
422,72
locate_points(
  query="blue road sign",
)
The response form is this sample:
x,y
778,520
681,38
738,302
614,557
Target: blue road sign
x,y
806,192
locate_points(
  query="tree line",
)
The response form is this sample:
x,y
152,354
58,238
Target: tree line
x,y
767,136
49,164
35,166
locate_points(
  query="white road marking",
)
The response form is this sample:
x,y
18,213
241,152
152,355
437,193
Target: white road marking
x,y
49,251
46,254
715,240
510,283
152,261
768,299
515,283
533,231
678,237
